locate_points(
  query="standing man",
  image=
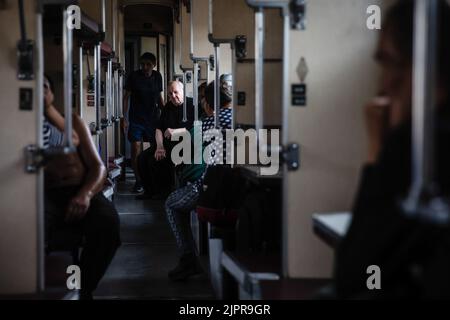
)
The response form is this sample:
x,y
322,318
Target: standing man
x,y
145,88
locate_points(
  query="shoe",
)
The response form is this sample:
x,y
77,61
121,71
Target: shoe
x,y
138,188
187,266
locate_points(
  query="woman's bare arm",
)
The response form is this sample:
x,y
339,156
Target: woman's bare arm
x,y
95,176
96,170
57,120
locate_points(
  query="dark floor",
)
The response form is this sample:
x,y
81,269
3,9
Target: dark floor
x,y
148,252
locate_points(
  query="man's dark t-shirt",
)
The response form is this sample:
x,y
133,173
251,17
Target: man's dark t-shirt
x,y
145,93
172,116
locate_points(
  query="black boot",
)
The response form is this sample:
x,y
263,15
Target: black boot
x,y
187,266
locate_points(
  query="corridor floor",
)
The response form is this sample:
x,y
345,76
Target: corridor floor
x,y
148,252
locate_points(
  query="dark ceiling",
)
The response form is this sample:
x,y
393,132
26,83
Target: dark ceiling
x,y
146,18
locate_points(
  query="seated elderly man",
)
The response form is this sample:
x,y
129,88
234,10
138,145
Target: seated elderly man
x,y
154,164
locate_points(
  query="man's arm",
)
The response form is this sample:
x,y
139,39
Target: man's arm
x,y
159,138
173,132
161,100
126,98
96,173
160,152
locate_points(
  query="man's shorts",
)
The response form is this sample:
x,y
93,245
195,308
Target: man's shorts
x,y
139,132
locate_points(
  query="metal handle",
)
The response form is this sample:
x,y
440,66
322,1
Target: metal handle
x,y
233,84
121,75
208,69
98,82
184,98
116,94
217,88
259,70
424,104
80,80
67,56
103,9
192,28
109,105
108,96
195,91
210,17
113,17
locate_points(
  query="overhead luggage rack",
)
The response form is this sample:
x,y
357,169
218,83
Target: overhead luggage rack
x,y
106,50
89,31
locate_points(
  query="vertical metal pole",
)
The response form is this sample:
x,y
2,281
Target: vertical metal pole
x,y
80,80
103,9
184,97
114,27
40,144
285,140
110,91
172,55
259,70
181,37
210,17
195,91
67,56
217,87
105,148
106,93
208,66
116,94
121,94
113,94
233,83
116,113
98,81
111,116
424,72
192,28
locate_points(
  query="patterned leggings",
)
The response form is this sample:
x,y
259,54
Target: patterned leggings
x,y
179,205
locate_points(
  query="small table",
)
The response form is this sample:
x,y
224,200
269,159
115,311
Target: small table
x,y
331,227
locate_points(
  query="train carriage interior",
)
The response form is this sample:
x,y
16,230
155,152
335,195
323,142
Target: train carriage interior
x,y
224,149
